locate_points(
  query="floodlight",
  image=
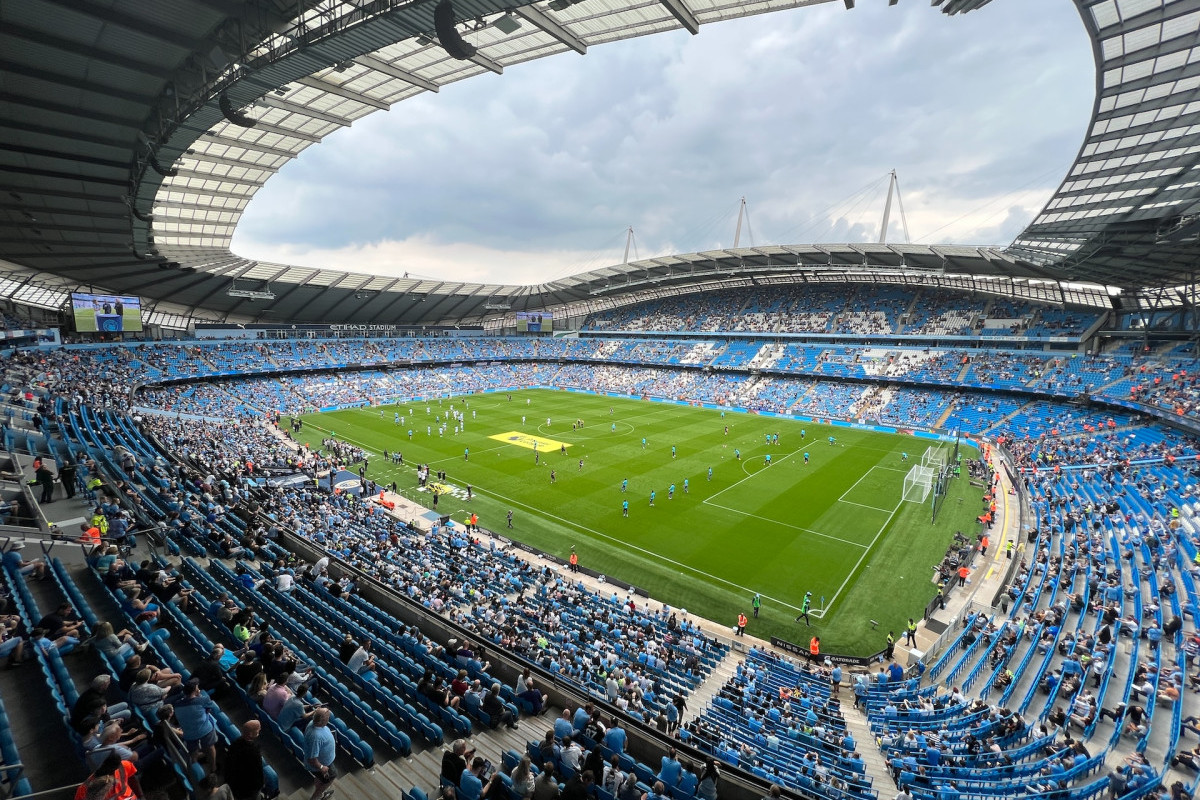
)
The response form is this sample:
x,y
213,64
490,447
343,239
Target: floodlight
x,y
251,294
507,24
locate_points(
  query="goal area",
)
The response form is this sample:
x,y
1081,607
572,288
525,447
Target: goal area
x,y
918,483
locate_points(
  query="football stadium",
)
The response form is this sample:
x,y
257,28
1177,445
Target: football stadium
x,y
836,520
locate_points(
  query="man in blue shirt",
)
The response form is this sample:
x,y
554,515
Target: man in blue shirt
x,y
470,785
193,715
320,750
294,712
562,726
671,770
614,737
582,715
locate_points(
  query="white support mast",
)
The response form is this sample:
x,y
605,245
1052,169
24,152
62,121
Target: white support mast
x,y
629,242
893,187
737,233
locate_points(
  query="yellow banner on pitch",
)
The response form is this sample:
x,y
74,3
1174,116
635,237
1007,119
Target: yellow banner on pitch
x,y
538,443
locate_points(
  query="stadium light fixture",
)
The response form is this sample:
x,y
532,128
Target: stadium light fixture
x,y
423,40
251,294
507,24
849,4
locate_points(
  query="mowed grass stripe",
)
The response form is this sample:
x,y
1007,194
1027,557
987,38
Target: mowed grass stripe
x,y
780,531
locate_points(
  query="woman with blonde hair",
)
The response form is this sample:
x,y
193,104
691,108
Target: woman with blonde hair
x,y
523,778
258,687
121,643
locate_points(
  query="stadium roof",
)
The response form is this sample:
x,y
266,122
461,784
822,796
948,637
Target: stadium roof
x,y
1128,211
133,135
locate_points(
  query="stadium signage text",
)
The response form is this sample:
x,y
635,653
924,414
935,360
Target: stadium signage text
x,y
371,327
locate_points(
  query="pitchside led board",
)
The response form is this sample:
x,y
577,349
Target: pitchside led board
x,y
534,322
106,313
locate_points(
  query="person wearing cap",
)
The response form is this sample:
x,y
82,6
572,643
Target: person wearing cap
x,y
756,604
804,607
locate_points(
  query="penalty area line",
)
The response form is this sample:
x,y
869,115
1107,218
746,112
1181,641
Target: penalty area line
x,y
786,524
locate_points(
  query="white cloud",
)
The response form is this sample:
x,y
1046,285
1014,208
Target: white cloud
x,y
536,174
421,257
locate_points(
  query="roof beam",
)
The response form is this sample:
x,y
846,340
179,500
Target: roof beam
x,y
341,91
487,63
681,12
211,176
123,246
392,71
62,133
534,16
42,152
278,302
196,206
275,101
129,23
294,134
68,110
25,225
207,192
227,162
69,212
27,71
229,141
267,127
66,176
77,48
349,295
240,267
90,198
1154,15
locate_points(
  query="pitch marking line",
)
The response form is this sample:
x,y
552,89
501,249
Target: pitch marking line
x,y
785,524
624,544
708,499
864,505
866,551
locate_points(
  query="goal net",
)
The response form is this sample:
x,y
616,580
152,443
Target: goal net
x,y
918,483
934,458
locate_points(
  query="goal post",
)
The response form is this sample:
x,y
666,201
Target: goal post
x,y
934,457
918,483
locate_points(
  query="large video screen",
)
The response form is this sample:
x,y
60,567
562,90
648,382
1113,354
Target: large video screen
x,y
534,322
106,313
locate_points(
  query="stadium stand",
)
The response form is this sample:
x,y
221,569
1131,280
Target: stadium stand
x,y
1036,695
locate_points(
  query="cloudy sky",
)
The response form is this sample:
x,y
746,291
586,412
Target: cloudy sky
x,y
537,174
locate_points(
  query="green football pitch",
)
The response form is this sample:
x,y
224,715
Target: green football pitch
x,y
834,526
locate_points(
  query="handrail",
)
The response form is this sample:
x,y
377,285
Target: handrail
x,y
70,788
